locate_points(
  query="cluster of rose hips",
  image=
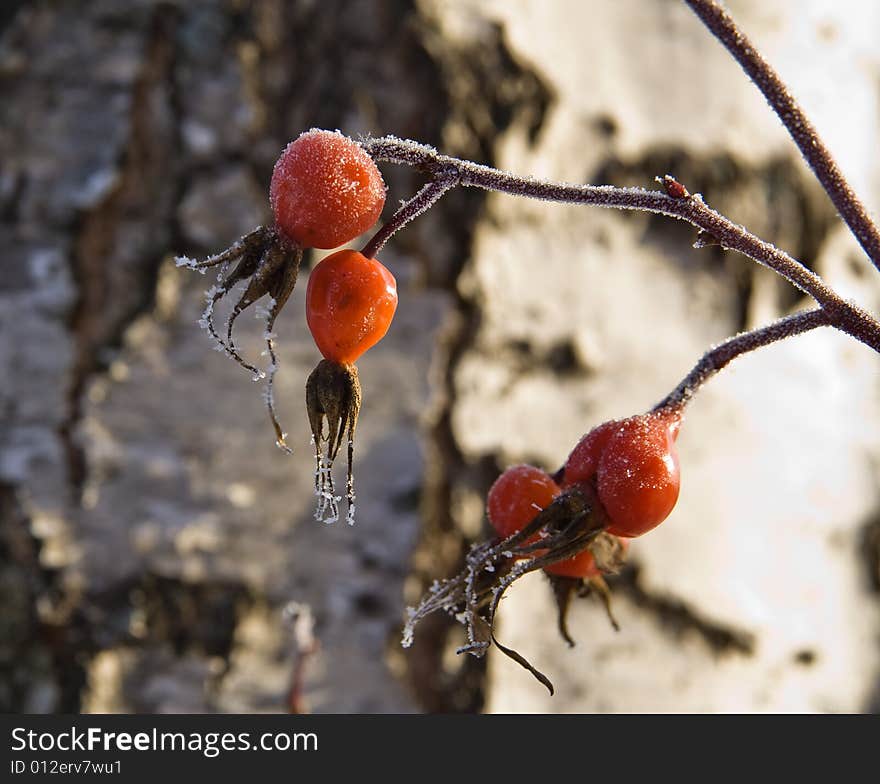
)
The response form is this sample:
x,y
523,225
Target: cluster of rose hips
x,y
620,481
325,192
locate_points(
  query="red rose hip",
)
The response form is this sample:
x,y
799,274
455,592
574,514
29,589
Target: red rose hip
x,y
325,190
350,303
583,462
638,476
517,496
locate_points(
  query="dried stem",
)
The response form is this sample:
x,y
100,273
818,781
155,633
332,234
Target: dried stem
x,y
718,357
843,315
812,148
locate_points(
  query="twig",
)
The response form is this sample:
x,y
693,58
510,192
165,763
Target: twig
x,y
805,136
843,315
418,204
724,353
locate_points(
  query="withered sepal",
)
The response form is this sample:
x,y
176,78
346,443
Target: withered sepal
x,y
333,393
609,555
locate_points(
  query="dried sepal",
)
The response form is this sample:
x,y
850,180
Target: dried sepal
x,y
598,586
268,265
609,555
333,395
564,589
608,552
566,527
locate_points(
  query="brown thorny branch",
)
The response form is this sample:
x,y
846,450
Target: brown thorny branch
x,y
574,521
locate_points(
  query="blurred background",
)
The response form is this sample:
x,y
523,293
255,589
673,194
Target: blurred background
x,y
151,533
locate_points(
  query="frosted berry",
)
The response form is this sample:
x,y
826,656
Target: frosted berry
x,y
325,190
638,475
350,303
583,462
517,496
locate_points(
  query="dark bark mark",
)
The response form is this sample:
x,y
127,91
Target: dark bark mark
x,y
121,241
776,200
487,91
676,619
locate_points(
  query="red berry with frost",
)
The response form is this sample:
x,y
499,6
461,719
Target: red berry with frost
x,y
350,303
638,475
583,462
325,190
517,496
